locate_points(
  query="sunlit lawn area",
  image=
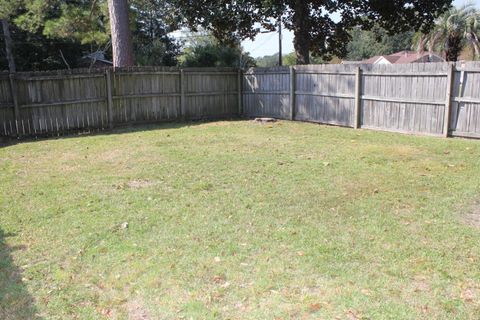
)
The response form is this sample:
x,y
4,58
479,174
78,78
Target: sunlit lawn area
x,y
238,220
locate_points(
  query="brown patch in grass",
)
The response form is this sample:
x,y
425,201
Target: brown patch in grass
x,y
140,183
112,155
136,310
472,218
421,285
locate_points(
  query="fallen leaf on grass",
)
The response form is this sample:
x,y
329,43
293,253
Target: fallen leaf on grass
x,y
468,295
366,292
353,315
218,279
425,309
314,307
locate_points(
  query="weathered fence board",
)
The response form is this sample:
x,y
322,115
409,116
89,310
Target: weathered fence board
x,y
465,116
404,98
145,96
325,94
59,101
266,92
210,94
429,98
53,103
409,98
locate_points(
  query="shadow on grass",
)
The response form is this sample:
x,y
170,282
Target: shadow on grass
x,y
15,300
121,129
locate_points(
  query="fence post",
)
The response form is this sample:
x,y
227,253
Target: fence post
x,y
292,92
448,99
108,77
182,95
239,97
358,97
16,109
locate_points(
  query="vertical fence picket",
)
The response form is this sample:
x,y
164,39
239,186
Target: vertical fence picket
x,y
393,98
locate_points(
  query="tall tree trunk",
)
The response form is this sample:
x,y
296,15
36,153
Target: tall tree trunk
x,y
301,30
8,46
121,36
453,47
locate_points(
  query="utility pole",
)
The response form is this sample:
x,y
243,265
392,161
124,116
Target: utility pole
x,y
280,41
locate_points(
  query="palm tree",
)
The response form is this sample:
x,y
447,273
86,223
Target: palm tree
x,y
452,31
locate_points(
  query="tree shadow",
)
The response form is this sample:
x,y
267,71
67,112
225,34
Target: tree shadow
x,y
15,300
119,129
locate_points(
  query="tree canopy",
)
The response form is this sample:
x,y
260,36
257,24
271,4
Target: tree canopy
x,y
41,29
368,43
57,33
320,26
455,29
206,51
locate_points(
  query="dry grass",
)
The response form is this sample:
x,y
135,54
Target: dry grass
x,y
236,220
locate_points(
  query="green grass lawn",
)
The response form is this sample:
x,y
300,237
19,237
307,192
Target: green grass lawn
x,y
237,220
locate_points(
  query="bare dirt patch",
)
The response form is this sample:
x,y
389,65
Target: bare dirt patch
x,y
136,310
473,215
139,183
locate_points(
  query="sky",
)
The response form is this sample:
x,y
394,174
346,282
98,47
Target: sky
x,y
267,43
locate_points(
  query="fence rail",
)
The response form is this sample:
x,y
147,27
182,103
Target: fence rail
x,y
37,103
428,98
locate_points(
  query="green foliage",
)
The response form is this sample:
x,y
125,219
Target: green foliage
x,y
43,31
54,25
455,29
34,51
85,21
210,53
313,23
86,24
8,7
377,41
289,60
159,52
268,61
153,20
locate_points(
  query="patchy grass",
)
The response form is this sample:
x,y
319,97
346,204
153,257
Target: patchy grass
x,y
238,220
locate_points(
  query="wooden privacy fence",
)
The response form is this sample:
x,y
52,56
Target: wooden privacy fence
x,y
424,98
40,103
